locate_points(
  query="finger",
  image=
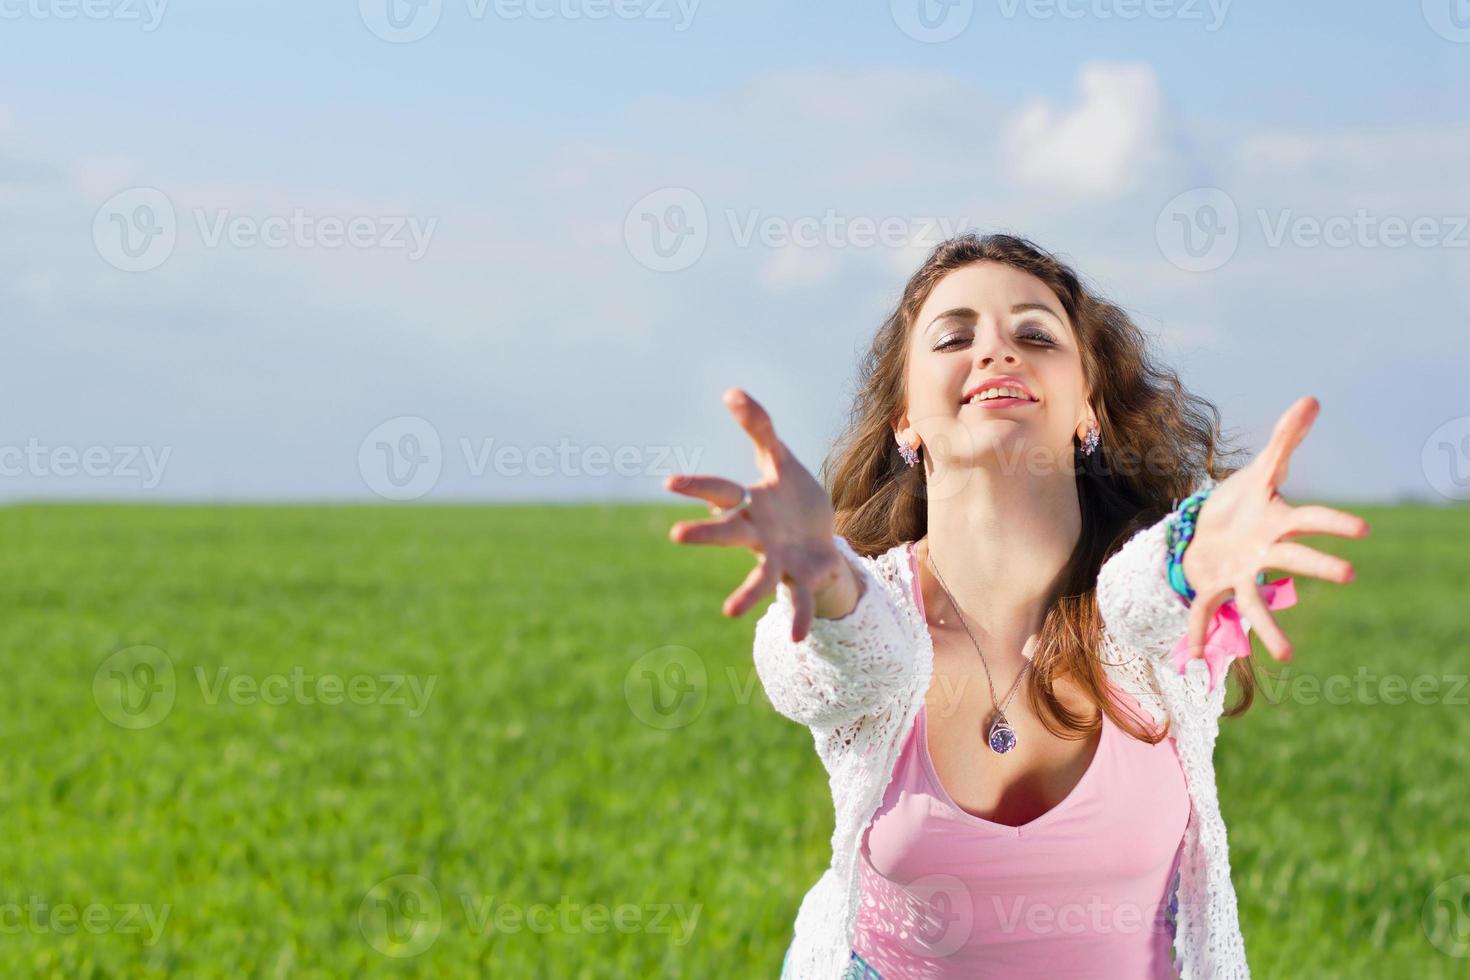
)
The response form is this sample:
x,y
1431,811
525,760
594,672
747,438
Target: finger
x,y
1248,600
731,531
805,607
1316,519
1289,432
1201,612
1292,557
715,489
761,580
756,423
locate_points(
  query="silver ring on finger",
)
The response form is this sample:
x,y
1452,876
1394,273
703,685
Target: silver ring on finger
x,y
744,503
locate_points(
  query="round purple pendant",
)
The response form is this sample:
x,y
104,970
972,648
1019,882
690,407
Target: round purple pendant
x,y
1002,738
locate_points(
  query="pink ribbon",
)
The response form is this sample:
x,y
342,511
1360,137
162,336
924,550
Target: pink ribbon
x,y
1225,638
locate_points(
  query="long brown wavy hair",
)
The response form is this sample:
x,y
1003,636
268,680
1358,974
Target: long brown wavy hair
x,y
1158,440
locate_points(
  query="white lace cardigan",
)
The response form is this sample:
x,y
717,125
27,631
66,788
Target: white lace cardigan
x,y
857,683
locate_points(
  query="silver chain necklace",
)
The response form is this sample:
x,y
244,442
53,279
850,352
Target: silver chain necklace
x,y
1002,736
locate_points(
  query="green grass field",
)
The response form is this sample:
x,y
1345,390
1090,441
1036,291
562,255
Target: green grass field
x,y
361,741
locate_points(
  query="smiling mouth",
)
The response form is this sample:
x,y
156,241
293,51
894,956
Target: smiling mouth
x,y
1004,401
1000,396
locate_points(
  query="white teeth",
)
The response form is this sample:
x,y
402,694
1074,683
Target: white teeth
x,y
1001,392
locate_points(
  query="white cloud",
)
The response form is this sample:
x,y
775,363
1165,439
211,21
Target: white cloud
x,y
529,289
1410,166
580,165
792,267
1096,147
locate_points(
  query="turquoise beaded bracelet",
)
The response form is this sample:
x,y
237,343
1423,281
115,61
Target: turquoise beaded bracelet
x,y
1181,531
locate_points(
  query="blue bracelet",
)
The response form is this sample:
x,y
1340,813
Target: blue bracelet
x,y
1181,532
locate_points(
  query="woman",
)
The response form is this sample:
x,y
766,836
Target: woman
x,y
1032,537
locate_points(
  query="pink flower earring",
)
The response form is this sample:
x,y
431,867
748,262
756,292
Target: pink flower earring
x,y
1093,437
910,456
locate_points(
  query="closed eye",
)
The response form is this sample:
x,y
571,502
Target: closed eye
x,y
1034,335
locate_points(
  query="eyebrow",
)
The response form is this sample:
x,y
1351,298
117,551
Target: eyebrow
x,y
965,311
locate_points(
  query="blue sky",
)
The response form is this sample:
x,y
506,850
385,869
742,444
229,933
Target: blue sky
x,y
500,302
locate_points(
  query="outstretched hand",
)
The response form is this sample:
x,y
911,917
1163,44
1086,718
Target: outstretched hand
x,y
1244,527
788,524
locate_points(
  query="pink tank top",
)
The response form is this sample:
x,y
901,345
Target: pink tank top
x,y
1083,890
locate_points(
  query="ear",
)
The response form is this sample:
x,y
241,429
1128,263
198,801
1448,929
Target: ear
x,y
1084,425
904,432
1088,414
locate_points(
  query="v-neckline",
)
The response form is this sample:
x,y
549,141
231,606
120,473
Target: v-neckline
x,y
922,721
1010,830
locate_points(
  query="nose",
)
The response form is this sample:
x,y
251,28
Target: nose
x,y
990,346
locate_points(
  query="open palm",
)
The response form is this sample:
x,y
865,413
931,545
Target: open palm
x,y
789,523
1244,527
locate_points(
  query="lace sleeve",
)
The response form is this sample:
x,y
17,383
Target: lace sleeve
x,y
1142,613
1138,605
844,668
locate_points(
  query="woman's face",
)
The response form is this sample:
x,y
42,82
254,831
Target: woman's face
x,y
984,321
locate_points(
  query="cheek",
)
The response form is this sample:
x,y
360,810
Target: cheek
x,y
1064,381
935,375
